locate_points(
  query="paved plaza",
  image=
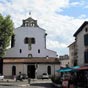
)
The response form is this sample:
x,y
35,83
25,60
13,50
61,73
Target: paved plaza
x,y
46,83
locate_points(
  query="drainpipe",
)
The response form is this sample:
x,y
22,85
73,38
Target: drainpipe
x,y
54,70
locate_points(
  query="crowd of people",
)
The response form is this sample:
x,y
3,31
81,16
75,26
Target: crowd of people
x,y
75,79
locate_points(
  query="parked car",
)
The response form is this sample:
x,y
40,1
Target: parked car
x,y
45,76
1,77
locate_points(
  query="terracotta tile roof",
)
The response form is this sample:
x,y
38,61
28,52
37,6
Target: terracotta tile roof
x,y
31,60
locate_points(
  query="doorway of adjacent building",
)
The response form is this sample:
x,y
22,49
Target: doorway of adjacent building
x,y
1,66
31,71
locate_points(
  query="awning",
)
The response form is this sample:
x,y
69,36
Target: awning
x,y
75,67
67,69
83,68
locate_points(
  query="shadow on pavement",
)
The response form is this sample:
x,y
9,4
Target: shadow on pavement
x,y
45,85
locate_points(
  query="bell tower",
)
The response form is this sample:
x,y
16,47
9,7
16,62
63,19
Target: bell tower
x,y
29,22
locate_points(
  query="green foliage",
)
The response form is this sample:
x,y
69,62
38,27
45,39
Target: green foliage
x,y
6,31
56,79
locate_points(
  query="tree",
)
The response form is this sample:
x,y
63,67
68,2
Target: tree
x,y
6,31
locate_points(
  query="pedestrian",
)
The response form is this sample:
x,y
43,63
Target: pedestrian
x,y
65,82
29,79
19,77
71,81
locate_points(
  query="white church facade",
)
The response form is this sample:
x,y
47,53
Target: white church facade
x,y
28,52
29,40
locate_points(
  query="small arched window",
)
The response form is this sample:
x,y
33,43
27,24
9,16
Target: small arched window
x,y
38,50
20,50
29,55
49,70
13,70
32,24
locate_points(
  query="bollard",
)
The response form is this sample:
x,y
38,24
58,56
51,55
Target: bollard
x,y
29,80
65,83
14,77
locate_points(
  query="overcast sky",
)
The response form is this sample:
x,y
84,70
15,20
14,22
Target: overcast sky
x,y
60,18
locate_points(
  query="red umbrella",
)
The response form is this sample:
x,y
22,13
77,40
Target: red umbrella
x,y
83,68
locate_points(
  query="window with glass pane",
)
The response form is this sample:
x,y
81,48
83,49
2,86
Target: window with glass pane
x,y
26,40
33,40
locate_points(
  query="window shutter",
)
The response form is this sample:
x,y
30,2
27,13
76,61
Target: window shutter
x,y
86,40
86,56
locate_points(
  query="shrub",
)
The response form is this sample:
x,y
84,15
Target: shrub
x,y
56,79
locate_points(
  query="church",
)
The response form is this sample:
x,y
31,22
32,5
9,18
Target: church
x,y
28,53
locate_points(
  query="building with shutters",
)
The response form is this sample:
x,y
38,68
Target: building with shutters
x,y
80,55
72,54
